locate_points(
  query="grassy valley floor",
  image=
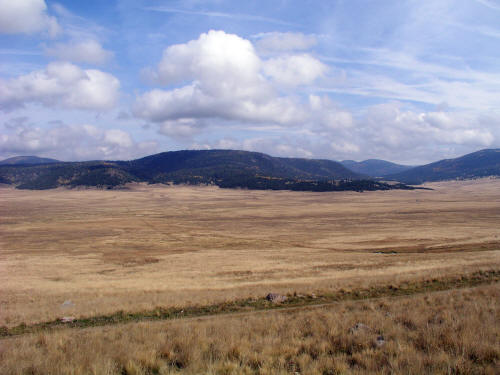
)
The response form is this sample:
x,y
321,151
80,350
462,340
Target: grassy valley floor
x,y
203,258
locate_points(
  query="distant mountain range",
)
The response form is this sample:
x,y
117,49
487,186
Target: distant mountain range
x,y
224,168
477,164
375,167
22,160
243,169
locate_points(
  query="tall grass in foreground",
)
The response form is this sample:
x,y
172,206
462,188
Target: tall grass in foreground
x,y
456,332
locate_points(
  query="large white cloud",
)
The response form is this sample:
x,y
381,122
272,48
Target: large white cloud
x,y
216,59
191,102
61,85
222,77
87,51
26,16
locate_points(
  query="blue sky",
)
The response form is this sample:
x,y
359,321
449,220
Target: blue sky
x,y
403,80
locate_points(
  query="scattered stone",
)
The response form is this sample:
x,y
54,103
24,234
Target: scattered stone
x,y
313,296
359,327
276,298
380,341
68,319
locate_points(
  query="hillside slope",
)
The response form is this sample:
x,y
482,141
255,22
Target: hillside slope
x,y
477,164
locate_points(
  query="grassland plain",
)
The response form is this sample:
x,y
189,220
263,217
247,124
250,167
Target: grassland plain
x,y
150,246
110,255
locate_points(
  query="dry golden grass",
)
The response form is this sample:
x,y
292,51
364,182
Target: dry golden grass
x,y
454,332
174,246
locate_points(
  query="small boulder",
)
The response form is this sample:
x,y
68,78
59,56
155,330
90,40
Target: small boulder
x,y
380,341
276,298
67,319
359,327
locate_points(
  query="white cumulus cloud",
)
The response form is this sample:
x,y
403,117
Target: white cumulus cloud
x,y
61,85
26,16
211,58
221,76
87,51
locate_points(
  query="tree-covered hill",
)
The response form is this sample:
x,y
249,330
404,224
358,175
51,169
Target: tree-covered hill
x,y
475,165
224,168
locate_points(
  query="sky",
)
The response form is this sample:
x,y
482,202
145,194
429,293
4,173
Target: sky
x,y
410,81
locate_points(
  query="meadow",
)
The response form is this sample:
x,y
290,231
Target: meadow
x,y
90,253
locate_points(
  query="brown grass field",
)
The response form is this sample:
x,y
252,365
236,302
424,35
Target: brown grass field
x,y
455,332
150,246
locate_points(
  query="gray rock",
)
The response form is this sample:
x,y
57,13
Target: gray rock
x,y
359,327
276,298
380,341
67,319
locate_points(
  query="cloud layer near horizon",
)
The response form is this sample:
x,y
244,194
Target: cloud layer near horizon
x,y
80,141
